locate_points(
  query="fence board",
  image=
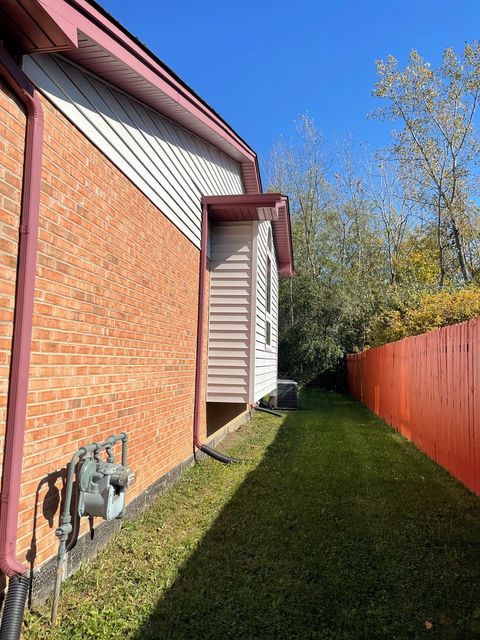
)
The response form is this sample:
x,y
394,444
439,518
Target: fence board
x,y
426,388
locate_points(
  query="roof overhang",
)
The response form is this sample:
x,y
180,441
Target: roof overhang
x,y
86,34
263,206
35,28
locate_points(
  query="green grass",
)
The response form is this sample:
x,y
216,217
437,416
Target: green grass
x,y
334,527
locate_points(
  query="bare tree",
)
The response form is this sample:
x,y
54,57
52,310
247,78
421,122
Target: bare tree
x,y
325,310
300,170
390,192
437,108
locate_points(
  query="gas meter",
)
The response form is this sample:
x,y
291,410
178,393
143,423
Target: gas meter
x,y
102,487
101,492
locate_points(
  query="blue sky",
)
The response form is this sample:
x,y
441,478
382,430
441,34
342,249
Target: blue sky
x,y
262,64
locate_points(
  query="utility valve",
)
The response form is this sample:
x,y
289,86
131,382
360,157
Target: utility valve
x,y
102,486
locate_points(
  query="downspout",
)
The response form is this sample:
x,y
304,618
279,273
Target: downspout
x,y
197,443
21,344
272,412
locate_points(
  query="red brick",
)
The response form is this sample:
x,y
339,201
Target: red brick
x,y
115,315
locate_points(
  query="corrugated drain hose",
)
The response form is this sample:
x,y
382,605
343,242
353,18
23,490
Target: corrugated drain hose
x,y
270,411
217,456
13,610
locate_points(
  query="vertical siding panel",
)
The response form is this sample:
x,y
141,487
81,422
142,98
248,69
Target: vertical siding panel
x,y
228,370
146,140
253,315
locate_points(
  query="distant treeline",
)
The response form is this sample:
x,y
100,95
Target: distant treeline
x,y
386,245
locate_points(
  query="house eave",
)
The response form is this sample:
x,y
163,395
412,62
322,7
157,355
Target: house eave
x,y
85,33
263,206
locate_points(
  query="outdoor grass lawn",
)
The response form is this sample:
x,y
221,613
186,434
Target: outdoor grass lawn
x,y
333,527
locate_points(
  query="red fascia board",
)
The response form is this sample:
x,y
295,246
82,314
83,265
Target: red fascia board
x,y
107,33
68,27
242,207
36,29
67,17
252,199
119,30
286,271
245,207
282,238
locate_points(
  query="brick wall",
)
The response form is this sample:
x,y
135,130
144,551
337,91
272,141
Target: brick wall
x,y
115,320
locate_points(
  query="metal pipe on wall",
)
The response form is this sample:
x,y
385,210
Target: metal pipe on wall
x,y
22,331
24,295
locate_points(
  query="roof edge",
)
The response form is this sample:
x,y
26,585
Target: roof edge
x,y
270,206
91,19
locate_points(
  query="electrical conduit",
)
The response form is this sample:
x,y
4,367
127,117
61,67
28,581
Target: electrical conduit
x,y
22,333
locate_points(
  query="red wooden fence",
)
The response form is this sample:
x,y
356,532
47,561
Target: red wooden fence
x,y
427,387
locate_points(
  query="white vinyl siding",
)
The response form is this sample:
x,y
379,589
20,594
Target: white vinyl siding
x,y
170,165
229,365
265,355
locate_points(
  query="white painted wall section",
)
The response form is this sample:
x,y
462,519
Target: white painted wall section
x,y
170,165
231,280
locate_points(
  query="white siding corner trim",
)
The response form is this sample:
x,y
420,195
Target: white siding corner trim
x,y
266,356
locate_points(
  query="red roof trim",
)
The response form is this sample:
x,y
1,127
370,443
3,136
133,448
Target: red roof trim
x,y
262,206
253,199
72,16
106,21
35,29
89,18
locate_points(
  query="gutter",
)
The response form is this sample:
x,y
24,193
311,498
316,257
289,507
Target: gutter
x,y
197,443
98,16
22,331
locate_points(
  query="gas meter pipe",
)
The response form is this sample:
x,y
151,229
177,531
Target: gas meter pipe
x,y
65,528
197,442
12,617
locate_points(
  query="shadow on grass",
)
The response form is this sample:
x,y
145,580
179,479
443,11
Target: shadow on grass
x,y
342,531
